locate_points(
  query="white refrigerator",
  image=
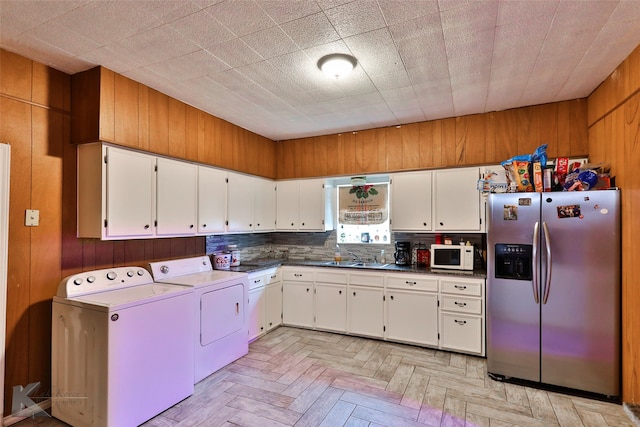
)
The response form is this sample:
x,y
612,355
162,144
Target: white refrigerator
x,y
553,289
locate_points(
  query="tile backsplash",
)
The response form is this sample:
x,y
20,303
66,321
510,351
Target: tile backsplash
x,y
321,246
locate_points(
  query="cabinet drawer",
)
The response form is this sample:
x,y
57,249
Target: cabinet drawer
x,y
461,287
398,281
256,281
462,304
331,277
298,275
461,333
272,275
366,280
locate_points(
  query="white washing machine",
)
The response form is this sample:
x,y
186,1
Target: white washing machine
x,y
221,297
122,347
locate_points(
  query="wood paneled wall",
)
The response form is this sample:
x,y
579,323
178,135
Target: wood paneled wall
x,y
468,140
614,138
110,107
35,118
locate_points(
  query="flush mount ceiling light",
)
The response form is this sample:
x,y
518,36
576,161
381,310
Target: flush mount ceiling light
x,y
337,65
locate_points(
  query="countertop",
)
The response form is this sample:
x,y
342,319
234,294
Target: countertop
x,y
254,265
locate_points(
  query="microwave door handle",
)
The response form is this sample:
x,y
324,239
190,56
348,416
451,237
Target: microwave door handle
x,y
547,282
534,283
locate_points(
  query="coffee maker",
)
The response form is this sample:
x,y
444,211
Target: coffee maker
x,y
403,253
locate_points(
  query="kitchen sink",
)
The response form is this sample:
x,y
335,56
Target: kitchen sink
x,y
356,264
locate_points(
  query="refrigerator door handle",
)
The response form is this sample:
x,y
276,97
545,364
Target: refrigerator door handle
x,y
534,283
547,282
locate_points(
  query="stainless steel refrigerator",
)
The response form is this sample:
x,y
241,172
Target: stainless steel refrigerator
x,y
553,289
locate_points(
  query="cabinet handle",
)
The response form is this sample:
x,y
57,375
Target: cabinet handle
x,y
146,227
297,274
256,281
461,287
410,283
274,276
460,322
460,304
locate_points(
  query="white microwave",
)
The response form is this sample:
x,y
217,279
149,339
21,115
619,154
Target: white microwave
x,y
452,257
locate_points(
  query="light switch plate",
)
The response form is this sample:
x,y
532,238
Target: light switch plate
x,y
32,218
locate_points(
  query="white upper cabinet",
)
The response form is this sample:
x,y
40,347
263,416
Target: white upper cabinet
x,y
301,205
264,204
240,203
116,193
411,201
212,200
456,200
177,185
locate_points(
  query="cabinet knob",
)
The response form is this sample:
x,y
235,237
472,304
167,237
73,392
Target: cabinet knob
x,y
339,292
303,223
250,225
442,223
258,224
191,226
391,297
354,294
204,225
146,227
291,224
307,289
424,223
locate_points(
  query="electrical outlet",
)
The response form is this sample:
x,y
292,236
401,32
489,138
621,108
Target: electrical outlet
x,y
32,218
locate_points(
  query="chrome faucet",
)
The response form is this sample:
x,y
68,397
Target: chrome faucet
x,y
356,258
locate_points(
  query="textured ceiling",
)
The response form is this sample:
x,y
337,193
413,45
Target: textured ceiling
x,y
253,62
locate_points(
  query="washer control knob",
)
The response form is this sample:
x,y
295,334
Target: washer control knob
x,y
111,275
130,273
91,279
77,281
140,272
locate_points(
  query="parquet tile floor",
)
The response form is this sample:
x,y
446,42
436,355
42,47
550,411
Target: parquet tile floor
x,y
297,377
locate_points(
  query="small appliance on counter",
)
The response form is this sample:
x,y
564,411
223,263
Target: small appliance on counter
x,y
403,253
452,257
423,255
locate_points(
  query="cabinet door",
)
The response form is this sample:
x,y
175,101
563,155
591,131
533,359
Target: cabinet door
x,y
456,200
297,304
274,305
311,207
365,311
411,201
331,307
240,202
257,304
412,317
287,205
130,194
177,185
212,200
264,192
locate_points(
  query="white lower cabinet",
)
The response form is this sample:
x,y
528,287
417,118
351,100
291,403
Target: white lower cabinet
x,y
297,297
424,309
462,315
365,305
273,297
265,302
411,309
330,304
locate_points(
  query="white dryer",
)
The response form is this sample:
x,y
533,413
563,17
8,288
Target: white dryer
x,y
221,324
122,347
